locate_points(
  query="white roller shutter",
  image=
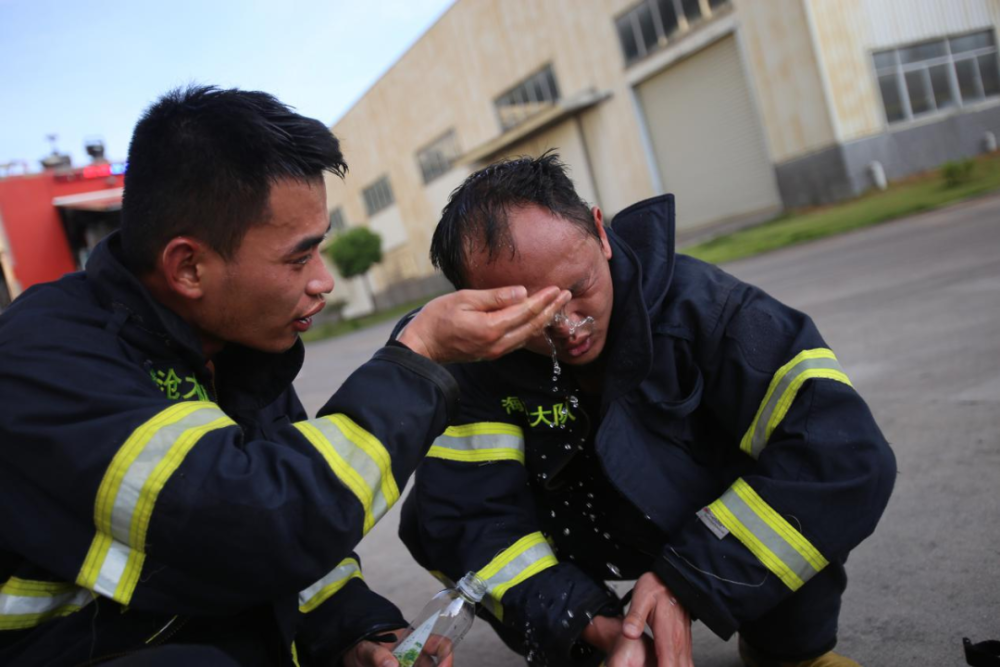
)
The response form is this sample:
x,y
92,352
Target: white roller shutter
x,y
708,143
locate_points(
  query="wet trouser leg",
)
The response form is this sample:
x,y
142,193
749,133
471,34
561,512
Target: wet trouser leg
x,y
804,625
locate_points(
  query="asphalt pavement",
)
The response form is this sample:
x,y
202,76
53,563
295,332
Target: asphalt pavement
x,y
912,309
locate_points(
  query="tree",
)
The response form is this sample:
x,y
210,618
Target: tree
x,y
354,252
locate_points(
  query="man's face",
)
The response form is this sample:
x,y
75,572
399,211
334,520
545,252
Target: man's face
x,y
552,251
266,295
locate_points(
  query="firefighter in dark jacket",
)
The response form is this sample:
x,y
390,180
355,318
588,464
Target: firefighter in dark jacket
x,y
674,426
165,499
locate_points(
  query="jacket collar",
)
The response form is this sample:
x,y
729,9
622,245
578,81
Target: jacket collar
x,y
642,264
245,379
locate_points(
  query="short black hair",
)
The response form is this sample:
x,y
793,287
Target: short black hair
x,y
202,162
476,213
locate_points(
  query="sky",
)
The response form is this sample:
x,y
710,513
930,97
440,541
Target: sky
x,y
85,69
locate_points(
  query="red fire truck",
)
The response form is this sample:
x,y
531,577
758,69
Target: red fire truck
x,y
50,221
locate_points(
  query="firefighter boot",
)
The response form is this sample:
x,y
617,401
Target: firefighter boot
x,y
751,658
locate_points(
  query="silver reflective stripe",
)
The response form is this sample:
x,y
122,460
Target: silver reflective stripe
x,y
818,363
525,558
26,603
360,461
480,442
15,605
129,489
142,467
778,545
336,579
112,569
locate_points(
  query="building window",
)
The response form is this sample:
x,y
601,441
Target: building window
x,y
337,222
378,196
648,26
438,158
935,76
536,93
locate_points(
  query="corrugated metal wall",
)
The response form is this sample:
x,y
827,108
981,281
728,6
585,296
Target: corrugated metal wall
x,y
847,31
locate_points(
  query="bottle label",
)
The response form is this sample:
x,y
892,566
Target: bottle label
x,y
408,650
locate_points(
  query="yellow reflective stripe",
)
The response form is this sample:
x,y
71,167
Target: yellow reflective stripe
x,y
542,563
480,443
351,479
475,455
375,450
522,560
129,490
484,428
328,586
780,547
809,364
25,603
358,460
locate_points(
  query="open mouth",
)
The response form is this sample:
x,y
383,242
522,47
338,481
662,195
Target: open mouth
x,y
305,322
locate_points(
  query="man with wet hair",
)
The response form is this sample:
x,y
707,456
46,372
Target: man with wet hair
x,y
672,426
165,499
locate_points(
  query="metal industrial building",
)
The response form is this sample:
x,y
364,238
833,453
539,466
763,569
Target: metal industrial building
x,y
741,108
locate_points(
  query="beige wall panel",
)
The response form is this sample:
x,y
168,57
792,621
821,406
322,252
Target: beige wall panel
x,y
842,29
707,139
785,76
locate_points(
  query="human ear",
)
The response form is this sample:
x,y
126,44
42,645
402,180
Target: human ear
x,y
181,264
602,235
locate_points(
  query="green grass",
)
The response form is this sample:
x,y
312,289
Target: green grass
x,y
920,193
325,330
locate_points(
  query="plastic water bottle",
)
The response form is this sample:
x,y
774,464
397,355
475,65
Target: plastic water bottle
x,y
441,624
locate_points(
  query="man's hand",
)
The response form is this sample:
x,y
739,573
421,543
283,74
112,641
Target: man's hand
x,y
654,605
605,634
368,653
471,325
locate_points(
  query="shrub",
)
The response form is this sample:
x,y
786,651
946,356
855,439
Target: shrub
x,y
957,172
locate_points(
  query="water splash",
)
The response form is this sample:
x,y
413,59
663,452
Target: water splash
x,y
614,570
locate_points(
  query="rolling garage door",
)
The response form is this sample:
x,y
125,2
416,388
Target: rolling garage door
x,y
708,143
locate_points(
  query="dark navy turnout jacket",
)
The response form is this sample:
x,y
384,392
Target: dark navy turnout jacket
x,y
144,503
727,451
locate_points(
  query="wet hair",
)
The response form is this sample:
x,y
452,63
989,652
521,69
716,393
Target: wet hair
x,y
202,162
476,215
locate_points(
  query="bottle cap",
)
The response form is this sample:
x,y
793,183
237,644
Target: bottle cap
x,y
472,587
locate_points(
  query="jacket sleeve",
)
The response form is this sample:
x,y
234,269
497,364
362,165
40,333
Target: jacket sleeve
x,y
165,505
471,511
337,612
819,470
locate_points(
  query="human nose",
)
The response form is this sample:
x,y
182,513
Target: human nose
x,y
562,323
322,282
